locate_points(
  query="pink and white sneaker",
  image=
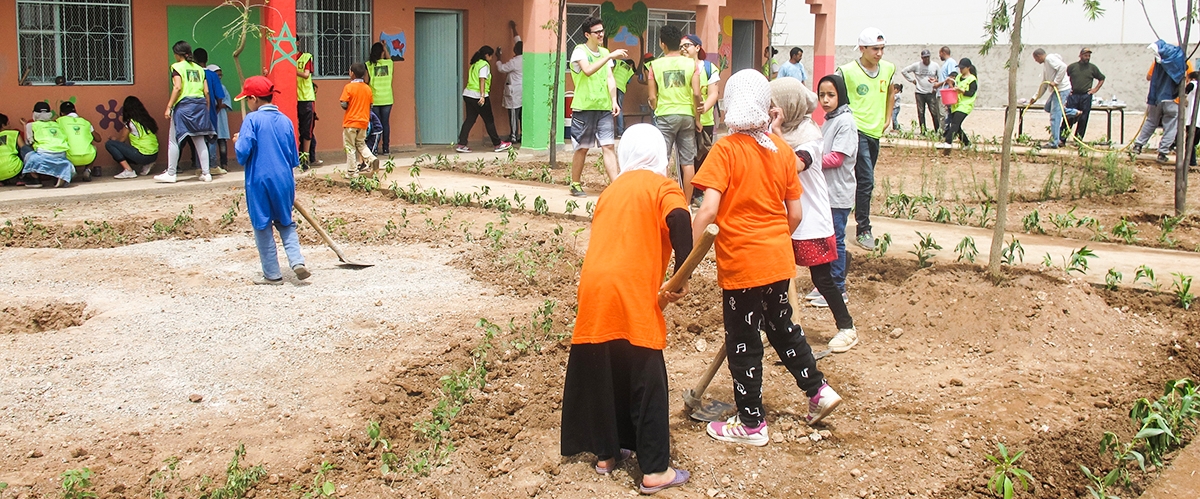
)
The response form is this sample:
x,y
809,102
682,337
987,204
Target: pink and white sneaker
x,y
504,146
822,404
738,433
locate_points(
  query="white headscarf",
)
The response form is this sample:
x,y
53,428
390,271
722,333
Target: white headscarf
x,y
748,106
642,147
797,103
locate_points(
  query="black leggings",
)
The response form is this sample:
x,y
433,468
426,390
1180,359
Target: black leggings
x,y
122,151
746,312
474,110
955,128
822,278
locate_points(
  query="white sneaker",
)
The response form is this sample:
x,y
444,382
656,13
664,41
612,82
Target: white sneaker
x,y
462,149
146,168
165,178
734,431
822,404
216,170
126,174
205,177
820,302
812,295
844,340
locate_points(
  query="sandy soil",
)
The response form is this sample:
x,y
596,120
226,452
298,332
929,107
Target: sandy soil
x,y
949,364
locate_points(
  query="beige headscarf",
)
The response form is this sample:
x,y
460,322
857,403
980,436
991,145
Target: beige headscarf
x,y
797,102
642,147
748,106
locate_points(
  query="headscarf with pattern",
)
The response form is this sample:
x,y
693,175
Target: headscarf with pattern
x,y
748,106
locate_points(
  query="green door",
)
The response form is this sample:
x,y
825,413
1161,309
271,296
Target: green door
x,y
438,72
207,25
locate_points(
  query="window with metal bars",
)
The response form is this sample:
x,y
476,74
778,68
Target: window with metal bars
x,y
685,20
574,35
84,41
336,32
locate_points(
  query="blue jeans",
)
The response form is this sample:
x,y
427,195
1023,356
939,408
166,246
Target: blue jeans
x,y
265,240
838,267
895,118
1055,106
385,119
621,117
864,176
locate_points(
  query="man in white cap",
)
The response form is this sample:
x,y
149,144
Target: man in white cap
x,y
923,74
869,85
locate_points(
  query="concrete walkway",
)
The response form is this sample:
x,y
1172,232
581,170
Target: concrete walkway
x,y
1123,258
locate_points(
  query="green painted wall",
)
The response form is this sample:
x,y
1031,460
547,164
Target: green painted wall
x,y
537,83
182,21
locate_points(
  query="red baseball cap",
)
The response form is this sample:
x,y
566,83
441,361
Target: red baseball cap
x,y
256,86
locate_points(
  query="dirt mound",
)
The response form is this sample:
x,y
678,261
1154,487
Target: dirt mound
x,y
36,316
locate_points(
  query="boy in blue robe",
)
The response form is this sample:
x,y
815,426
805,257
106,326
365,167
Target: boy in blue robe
x,y
266,146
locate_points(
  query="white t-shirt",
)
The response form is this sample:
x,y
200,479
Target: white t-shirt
x,y
817,222
1055,70
581,54
484,72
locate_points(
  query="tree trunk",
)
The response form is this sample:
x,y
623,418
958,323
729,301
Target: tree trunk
x,y
1010,121
1183,140
558,49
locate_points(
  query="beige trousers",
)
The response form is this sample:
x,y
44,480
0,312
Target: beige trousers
x,y
354,141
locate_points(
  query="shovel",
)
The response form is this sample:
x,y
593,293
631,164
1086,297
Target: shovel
x,y
717,410
332,245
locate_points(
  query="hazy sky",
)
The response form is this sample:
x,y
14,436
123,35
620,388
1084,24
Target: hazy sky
x,y
949,22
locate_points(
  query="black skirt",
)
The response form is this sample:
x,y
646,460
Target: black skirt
x,y
615,397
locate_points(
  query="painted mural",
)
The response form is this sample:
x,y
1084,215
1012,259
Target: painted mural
x,y
396,45
626,26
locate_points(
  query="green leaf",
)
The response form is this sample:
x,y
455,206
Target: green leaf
x,y
1008,488
328,489
1149,432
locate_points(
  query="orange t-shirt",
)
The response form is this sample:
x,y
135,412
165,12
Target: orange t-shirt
x,y
754,247
626,262
358,112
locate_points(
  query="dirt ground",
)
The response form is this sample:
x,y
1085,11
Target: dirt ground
x,y
144,343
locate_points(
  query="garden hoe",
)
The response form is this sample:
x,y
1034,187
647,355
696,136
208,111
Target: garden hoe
x,y
332,245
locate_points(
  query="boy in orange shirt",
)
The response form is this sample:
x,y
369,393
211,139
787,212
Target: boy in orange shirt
x,y
356,100
752,191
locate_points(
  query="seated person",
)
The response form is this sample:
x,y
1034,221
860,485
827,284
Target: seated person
x,y
138,142
10,159
49,155
80,137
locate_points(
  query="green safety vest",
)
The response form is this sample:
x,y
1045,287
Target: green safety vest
x,y
965,104
673,76
381,82
591,92
10,162
49,137
473,78
144,141
622,72
868,96
78,130
193,80
304,86
706,119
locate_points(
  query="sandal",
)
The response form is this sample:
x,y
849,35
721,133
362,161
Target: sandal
x,y
681,477
625,454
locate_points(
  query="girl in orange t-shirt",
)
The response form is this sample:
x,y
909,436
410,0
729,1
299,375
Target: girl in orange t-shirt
x,y
752,192
615,395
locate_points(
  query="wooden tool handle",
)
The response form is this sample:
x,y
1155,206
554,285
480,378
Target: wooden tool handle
x,y
702,385
320,231
694,258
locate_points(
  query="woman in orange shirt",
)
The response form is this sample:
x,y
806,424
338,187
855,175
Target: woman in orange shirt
x,y
752,192
615,394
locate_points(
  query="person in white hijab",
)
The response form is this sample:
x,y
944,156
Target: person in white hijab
x,y
813,243
748,106
616,390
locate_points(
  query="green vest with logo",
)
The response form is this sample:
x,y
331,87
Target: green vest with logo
x,y
965,104
706,119
673,76
10,162
304,86
78,130
144,140
49,137
381,82
591,92
193,80
473,78
868,96
622,73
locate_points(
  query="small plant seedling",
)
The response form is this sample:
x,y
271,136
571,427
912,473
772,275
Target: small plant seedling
x,y
519,200
1125,230
590,207
1002,482
1047,260
1143,271
1112,279
320,487
1122,453
1077,261
571,206
1032,223
540,206
1013,252
924,249
77,484
966,250
1098,487
1168,224
1183,290
238,478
